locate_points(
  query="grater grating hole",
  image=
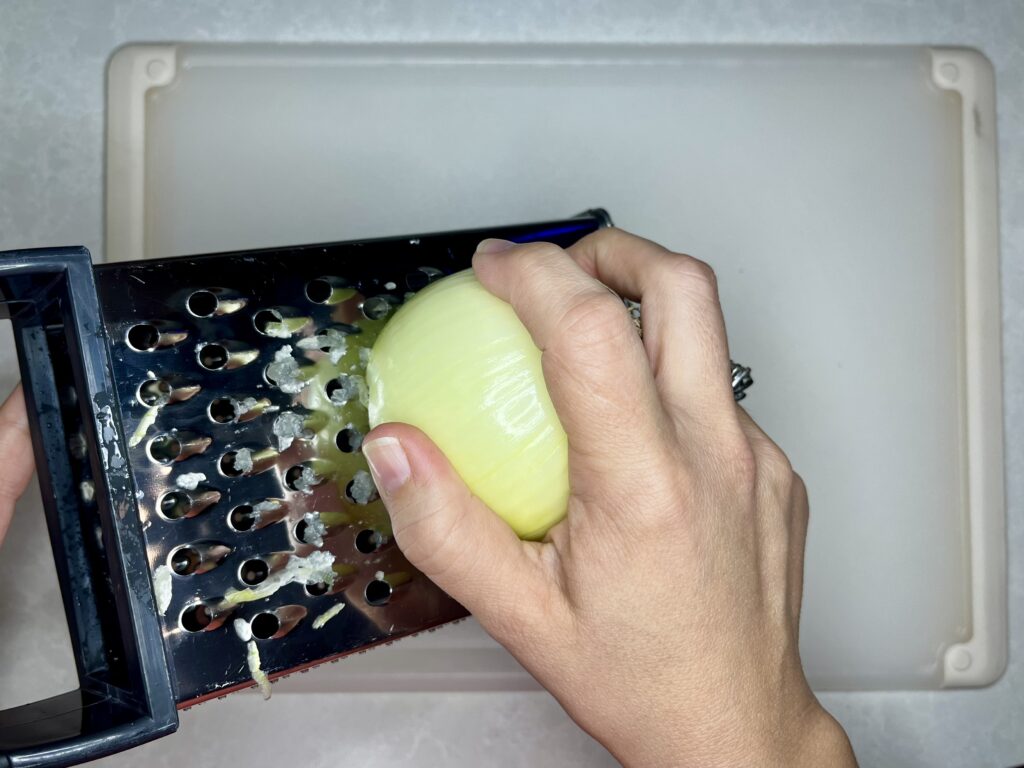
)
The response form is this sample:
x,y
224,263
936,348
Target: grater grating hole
x,y
375,307
265,625
153,392
357,491
196,618
369,541
301,478
331,387
185,560
265,317
293,474
164,449
228,466
202,303
143,337
349,439
213,357
174,505
319,290
377,592
242,518
421,278
317,589
222,410
253,572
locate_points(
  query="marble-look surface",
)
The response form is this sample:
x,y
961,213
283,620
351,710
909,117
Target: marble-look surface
x,y
52,67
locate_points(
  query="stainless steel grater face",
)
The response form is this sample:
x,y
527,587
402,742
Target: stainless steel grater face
x,y
198,423
243,398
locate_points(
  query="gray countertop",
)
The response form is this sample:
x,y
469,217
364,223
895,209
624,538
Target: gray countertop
x,y
53,59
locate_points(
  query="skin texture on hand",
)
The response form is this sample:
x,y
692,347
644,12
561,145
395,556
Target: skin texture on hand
x,y
16,460
663,612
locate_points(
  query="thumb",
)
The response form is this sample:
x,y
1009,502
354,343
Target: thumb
x,y
446,531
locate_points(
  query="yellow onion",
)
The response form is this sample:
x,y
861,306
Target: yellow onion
x,y
457,362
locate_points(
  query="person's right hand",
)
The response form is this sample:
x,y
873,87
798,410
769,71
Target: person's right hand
x,y
663,613
16,460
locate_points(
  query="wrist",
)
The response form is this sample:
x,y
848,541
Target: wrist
x,y
809,738
822,742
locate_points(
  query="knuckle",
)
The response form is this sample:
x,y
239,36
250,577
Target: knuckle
x,y
532,264
535,256
658,484
693,276
800,500
613,237
742,467
776,466
604,236
776,476
799,486
673,502
593,316
734,464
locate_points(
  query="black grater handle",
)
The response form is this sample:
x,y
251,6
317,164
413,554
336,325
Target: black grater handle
x,y
125,696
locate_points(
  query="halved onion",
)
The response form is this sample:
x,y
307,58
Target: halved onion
x,y
456,362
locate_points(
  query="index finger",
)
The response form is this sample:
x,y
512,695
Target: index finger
x,y
594,362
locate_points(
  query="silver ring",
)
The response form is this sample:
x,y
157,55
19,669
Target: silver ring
x,y
741,381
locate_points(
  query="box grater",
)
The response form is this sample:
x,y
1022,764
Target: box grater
x,y
197,425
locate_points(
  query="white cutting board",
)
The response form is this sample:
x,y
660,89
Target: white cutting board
x,y
845,196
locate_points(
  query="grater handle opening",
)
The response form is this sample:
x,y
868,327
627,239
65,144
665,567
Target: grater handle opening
x,y
125,695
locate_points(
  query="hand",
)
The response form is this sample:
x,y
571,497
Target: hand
x,y
15,456
663,613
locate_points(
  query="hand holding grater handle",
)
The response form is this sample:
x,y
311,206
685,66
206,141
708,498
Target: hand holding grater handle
x,y
125,696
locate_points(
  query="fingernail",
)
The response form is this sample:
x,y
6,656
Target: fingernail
x,y
388,463
494,245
